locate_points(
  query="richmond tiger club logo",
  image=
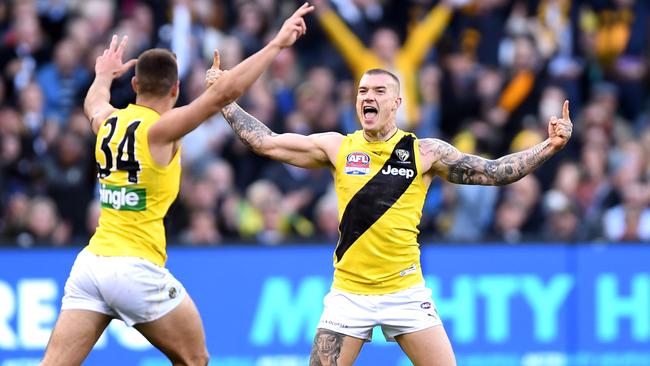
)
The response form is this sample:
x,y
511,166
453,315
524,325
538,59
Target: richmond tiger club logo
x,y
357,163
402,155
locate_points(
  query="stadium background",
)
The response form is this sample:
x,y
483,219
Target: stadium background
x,y
551,270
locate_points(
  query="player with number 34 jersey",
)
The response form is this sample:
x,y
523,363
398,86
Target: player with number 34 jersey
x,y
136,197
121,274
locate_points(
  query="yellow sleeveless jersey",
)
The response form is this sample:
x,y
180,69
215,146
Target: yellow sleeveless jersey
x,y
380,198
135,192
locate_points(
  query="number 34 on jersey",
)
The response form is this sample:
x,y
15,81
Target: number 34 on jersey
x,y
126,147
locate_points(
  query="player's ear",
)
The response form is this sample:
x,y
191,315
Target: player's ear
x,y
176,88
398,102
134,84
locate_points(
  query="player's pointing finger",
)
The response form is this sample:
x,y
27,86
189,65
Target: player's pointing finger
x,y
216,61
565,111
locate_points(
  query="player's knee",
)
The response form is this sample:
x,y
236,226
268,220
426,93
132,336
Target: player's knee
x,y
200,358
204,358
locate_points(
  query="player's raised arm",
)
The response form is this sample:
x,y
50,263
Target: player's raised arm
x,y
176,123
312,151
108,66
457,167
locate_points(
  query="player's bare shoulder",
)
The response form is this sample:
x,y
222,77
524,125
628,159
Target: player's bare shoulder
x,y
330,142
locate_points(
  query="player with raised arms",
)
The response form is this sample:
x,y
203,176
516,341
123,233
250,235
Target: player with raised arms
x,y
121,273
381,176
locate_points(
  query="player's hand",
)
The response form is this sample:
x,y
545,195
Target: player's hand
x,y
293,28
213,72
559,130
110,62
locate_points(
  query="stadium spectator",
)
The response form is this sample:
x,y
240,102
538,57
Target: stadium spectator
x,y
31,103
327,218
250,26
562,220
15,214
283,79
270,219
385,51
43,225
66,173
459,102
17,161
470,211
629,220
429,91
24,48
63,81
509,221
202,229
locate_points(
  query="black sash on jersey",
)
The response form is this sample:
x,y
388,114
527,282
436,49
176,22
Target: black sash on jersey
x,y
376,196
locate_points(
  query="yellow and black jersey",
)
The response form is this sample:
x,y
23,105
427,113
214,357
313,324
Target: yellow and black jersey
x,y
134,192
380,197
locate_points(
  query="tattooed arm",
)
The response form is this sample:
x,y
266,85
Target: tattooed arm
x,y
457,167
312,151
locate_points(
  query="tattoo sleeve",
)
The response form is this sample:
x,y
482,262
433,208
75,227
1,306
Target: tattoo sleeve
x,y
249,130
326,348
471,169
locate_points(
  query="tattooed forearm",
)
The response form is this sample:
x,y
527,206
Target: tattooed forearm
x,y
249,130
326,348
470,169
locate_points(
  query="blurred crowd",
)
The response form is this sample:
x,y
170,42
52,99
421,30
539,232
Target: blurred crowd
x,y
485,75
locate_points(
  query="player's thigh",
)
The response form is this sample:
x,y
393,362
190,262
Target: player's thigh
x,y
74,335
178,334
331,348
428,347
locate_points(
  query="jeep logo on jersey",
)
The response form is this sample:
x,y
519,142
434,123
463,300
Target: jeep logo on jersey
x,y
123,198
357,163
404,172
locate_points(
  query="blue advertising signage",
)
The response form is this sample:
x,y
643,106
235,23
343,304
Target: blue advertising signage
x,y
501,305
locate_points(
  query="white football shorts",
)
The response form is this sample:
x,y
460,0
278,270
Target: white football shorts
x,y
402,312
128,288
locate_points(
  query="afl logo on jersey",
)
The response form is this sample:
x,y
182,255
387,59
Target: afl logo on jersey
x,y
357,163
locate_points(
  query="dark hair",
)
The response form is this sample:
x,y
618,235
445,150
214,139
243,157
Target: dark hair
x,y
156,72
385,72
